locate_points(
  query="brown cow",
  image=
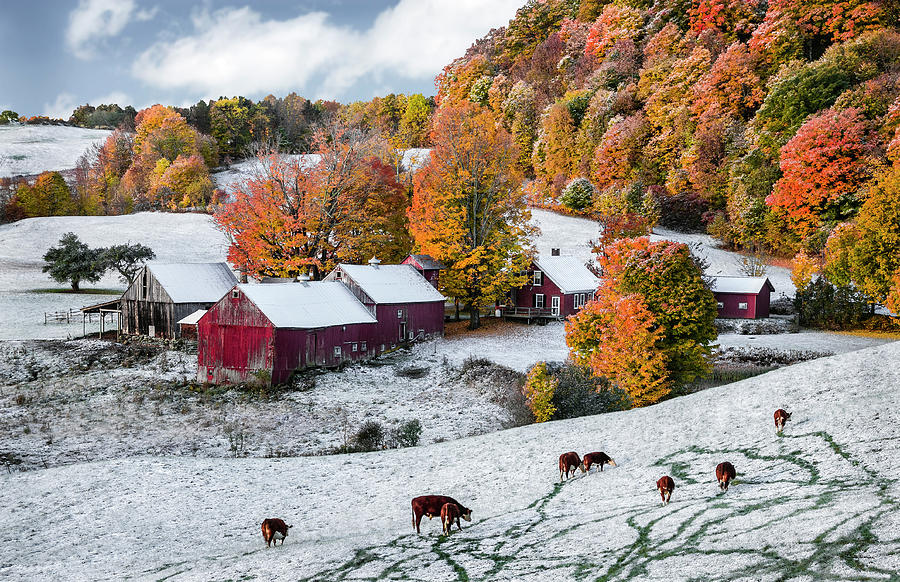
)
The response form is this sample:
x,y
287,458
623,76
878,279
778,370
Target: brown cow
x,y
449,513
569,462
781,417
431,505
601,459
273,530
725,473
665,485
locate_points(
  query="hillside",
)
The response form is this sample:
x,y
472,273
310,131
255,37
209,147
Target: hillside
x,y
32,149
819,503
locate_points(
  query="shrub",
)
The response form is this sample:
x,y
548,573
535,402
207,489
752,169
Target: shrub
x,y
370,437
580,393
407,434
539,390
500,385
578,194
682,212
829,306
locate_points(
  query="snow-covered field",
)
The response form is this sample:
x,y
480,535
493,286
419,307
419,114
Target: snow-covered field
x,y
818,503
32,149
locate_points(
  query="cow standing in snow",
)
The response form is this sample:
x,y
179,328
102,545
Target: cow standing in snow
x,y
725,474
274,529
449,514
600,459
431,506
569,462
781,417
665,485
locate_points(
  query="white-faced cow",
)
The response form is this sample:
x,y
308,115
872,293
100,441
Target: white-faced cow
x,y
569,462
781,417
449,514
725,474
431,505
665,485
274,529
599,459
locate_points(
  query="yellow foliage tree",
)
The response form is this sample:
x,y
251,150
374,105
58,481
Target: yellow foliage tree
x,y
539,389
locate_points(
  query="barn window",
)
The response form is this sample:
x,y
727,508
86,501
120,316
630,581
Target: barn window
x,y
355,346
538,279
235,294
364,346
742,305
399,314
720,304
337,351
539,301
337,275
145,285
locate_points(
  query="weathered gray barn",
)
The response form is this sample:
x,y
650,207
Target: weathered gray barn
x,y
163,294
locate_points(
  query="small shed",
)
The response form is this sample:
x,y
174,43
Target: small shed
x,y
263,333
742,297
557,287
429,268
408,308
188,325
163,294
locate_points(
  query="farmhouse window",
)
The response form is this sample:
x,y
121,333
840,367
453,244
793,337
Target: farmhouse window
x,y
742,305
539,301
580,299
720,304
337,351
355,346
538,279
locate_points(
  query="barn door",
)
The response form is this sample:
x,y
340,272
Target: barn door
x,y
312,349
554,305
403,331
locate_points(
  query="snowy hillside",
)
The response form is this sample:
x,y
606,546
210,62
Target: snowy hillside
x,y
174,238
819,503
32,149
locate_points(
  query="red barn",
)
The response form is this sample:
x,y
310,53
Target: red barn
x,y
406,306
263,333
742,297
427,266
557,287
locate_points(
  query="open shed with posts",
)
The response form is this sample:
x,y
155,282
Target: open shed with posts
x,y
557,287
408,308
263,333
742,297
163,294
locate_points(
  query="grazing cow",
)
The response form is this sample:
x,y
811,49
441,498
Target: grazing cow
x,y
431,506
273,530
569,462
665,486
600,459
449,513
781,417
724,474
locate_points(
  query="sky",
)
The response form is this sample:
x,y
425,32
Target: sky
x,y
61,54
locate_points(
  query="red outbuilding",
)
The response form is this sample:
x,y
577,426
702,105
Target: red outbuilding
x,y
263,333
557,287
742,297
406,306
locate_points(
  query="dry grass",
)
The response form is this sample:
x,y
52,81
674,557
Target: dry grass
x,y
894,335
489,326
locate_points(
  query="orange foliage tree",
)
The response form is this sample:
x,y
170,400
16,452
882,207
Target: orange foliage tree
x,y
824,166
302,215
616,336
468,209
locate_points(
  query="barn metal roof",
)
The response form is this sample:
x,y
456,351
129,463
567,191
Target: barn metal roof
x,y
568,273
392,283
428,262
194,282
193,318
308,305
752,285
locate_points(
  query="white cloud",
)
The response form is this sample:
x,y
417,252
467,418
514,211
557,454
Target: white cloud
x,y
62,107
118,97
95,20
237,51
